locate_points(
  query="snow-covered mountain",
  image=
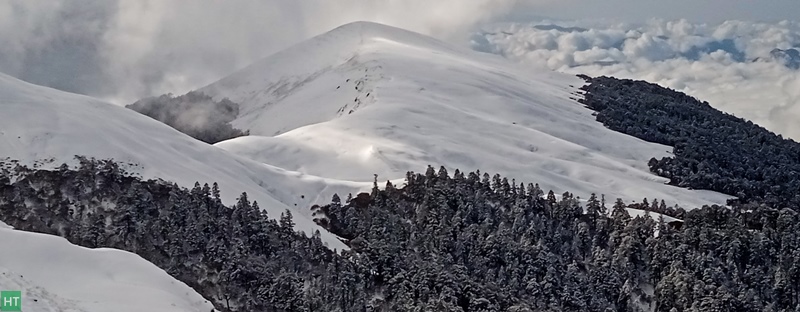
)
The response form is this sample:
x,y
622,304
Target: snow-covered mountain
x,y
332,111
55,275
368,99
41,124
325,116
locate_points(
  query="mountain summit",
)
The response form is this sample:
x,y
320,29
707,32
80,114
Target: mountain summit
x,y
368,99
287,82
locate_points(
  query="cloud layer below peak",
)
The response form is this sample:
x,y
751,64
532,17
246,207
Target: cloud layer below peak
x,y
747,69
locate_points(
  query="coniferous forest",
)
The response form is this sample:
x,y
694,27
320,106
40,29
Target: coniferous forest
x,y
441,242
712,150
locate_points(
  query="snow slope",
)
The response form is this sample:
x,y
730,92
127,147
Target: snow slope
x,y
39,123
55,275
368,99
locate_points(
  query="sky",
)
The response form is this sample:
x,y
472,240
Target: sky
x,y
699,11
123,50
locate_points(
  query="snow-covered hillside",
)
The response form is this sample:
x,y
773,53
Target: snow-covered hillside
x,y
332,111
55,275
39,124
368,99
326,115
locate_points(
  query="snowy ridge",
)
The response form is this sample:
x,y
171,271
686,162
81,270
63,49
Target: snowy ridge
x,y
292,72
368,99
55,275
39,124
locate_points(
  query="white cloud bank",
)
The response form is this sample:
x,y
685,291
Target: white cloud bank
x,y
716,63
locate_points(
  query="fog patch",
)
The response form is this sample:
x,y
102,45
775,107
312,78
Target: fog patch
x,y
194,114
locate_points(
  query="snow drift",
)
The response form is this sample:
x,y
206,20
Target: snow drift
x,y
55,275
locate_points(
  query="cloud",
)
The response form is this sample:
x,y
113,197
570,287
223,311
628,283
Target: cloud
x,y
728,64
54,44
126,49
123,50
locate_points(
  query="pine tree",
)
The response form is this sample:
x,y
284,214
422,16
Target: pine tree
x,y
287,221
215,191
593,207
551,198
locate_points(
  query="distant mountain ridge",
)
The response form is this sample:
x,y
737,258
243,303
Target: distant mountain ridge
x,y
788,57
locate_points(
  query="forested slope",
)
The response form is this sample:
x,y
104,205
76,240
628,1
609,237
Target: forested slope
x,y
712,150
460,242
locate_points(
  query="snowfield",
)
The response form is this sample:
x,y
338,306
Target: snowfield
x,y
55,275
368,99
